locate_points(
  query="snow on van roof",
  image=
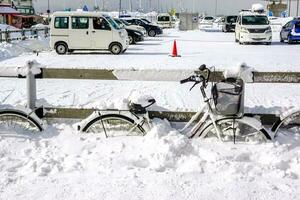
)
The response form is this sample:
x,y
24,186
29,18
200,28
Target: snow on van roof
x,y
81,13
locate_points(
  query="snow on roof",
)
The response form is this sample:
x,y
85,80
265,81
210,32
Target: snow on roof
x,y
8,10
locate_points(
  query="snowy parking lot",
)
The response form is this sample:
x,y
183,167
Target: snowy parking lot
x,y
63,164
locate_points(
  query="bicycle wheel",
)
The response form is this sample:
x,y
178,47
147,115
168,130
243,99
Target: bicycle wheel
x,y
18,122
237,130
114,125
289,126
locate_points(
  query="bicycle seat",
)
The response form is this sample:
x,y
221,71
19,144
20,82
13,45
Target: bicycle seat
x,y
138,108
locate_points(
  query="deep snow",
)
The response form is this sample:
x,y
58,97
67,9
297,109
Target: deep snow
x,y
64,164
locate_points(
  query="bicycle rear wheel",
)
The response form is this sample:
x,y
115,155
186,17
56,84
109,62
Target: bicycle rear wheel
x,y
114,125
18,122
288,126
237,130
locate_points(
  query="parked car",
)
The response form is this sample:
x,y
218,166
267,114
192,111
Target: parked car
x,y
133,35
229,23
151,29
253,26
291,31
135,27
165,20
207,20
86,31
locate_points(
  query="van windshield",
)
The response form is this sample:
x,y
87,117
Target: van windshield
x,y
112,22
255,20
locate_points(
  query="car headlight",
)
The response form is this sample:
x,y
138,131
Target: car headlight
x,y
122,34
269,29
244,30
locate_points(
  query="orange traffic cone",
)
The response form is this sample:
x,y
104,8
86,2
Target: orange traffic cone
x,y
174,51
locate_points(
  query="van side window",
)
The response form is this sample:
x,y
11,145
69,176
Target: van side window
x,y
100,24
61,22
80,22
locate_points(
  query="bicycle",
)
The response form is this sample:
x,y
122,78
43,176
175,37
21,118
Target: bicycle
x,y
227,123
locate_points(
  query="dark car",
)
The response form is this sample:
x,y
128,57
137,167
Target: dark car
x,y
229,23
151,29
134,36
291,31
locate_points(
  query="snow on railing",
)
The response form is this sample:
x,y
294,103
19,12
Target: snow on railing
x,y
22,34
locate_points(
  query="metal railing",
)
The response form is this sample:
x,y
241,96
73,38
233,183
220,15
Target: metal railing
x,y
22,34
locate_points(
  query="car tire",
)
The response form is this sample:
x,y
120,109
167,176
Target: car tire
x,y
281,40
61,48
268,43
290,41
152,33
115,48
131,40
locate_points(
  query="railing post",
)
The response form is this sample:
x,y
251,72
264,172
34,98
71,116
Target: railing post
x,y
7,36
31,86
23,37
0,35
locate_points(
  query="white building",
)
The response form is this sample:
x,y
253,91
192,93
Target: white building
x,y
211,7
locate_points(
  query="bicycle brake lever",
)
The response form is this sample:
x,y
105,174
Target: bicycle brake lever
x,y
193,86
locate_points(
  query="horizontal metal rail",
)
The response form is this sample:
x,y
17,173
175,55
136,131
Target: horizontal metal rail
x,y
172,116
145,75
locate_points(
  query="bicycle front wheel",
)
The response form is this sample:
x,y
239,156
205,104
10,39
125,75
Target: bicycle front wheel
x,y
289,126
237,130
18,122
113,126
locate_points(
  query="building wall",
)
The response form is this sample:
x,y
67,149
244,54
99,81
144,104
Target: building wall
x,y
210,7
5,1
23,2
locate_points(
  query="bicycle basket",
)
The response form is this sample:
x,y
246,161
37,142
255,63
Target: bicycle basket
x,y
228,97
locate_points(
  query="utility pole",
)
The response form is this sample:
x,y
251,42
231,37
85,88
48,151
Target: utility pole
x,y
297,8
120,7
216,7
290,1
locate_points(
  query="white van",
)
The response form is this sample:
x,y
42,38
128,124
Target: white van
x,y
165,21
86,31
253,26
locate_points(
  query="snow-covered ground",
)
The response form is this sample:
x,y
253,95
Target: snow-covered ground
x,y
195,48
62,164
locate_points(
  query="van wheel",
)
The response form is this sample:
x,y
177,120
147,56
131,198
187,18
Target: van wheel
x,y
115,49
61,48
152,33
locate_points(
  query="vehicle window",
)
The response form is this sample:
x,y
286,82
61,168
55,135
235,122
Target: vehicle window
x,y
231,19
163,18
100,24
146,20
112,22
208,18
61,22
124,22
255,20
297,25
80,22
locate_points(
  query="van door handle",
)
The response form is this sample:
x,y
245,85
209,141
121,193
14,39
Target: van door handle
x,y
93,31
87,32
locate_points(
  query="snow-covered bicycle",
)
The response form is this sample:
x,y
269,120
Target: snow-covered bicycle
x,y
223,115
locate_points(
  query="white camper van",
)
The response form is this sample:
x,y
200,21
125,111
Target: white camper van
x,y
165,20
253,26
86,31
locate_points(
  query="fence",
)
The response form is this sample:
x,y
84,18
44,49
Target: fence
x,y
148,75
22,34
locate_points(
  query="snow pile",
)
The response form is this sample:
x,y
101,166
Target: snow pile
x,y
240,71
162,165
17,48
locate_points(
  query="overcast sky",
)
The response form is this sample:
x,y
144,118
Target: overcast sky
x,y
202,6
